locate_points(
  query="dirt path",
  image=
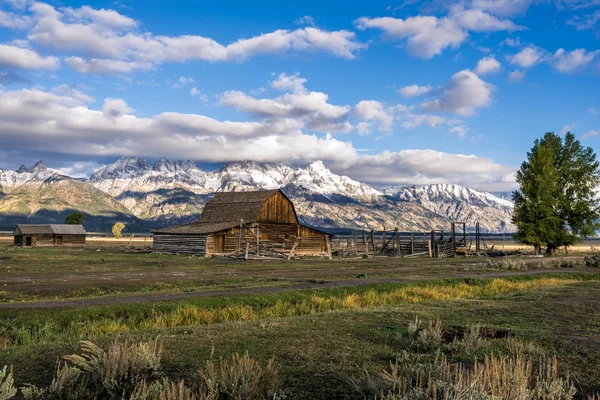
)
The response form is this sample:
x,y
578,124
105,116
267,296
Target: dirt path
x,y
146,298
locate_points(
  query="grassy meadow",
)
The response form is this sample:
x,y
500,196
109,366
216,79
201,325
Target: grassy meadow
x,y
414,328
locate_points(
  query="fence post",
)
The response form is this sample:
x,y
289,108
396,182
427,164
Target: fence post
x,y
257,240
412,243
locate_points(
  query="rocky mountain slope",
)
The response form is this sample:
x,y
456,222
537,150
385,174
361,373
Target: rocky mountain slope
x,y
40,194
169,193
460,204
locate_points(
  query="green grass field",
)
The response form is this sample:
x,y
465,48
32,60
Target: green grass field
x,y
334,342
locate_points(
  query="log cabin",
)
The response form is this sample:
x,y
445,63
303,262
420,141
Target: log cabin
x,y
26,235
231,222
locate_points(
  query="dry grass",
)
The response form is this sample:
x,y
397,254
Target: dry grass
x,y
494,378
432,372
129,371
189,315
7,384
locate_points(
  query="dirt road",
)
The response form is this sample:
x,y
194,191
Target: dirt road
x,y
146,298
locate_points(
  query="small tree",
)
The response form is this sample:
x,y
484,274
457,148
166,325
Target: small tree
x,y
75,219
117,228
556,203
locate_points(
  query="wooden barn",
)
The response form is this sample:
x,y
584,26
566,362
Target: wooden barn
x,y
261,222
26,235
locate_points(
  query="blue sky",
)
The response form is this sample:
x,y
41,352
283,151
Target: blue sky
x,y
390,93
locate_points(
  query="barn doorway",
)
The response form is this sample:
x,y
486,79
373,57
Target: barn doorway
x,y
59,240
28,241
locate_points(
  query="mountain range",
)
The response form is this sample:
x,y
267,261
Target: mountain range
x,y
151,195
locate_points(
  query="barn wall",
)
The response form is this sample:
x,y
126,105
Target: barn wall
x,y
281,237
179,244
18,240
278,209
42,239
73,240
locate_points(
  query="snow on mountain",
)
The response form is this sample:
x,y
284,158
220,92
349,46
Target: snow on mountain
x,y
460,204
318,179
167,193
36,174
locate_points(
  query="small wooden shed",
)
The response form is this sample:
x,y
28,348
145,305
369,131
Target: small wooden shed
x,y
26,235
232,221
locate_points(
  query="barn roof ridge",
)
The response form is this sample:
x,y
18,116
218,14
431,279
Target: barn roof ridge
x,y
56,229
225,210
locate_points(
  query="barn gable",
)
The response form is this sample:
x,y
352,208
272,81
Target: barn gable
x,y
227,209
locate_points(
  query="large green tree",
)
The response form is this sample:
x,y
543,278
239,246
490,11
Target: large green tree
x,y
556,204
75,219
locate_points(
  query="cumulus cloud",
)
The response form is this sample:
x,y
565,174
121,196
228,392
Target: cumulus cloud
x,y
586,22
426,167
463,94
28,117
305,20
487,65
428,36
412,120
460,130
516,76
414,90
20,58
504,8
74,92
182,81
528,57
290,83
371,112
570,61
106,41
14,21
80,169
308,109
197,93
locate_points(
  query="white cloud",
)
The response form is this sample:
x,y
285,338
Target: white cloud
x,y
570,61
425,167
371,111
516,76
463,94
414,90
104,17
29,117
20,58
504,8
567,128
290,83
487,65
460,130
586,22
182,81
428,36
414,120
528,57
477,20
197,93
512,42
105,36
14,21
589,134
70,91
80,169
305,20
105,66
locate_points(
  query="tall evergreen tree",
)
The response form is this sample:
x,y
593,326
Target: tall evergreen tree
x,y
556,204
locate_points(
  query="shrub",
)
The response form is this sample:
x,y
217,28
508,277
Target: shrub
x,y
592,261
7,384
494,378
511,264
241,378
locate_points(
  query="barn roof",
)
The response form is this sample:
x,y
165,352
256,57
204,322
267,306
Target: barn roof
x,y
57,229
224,211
